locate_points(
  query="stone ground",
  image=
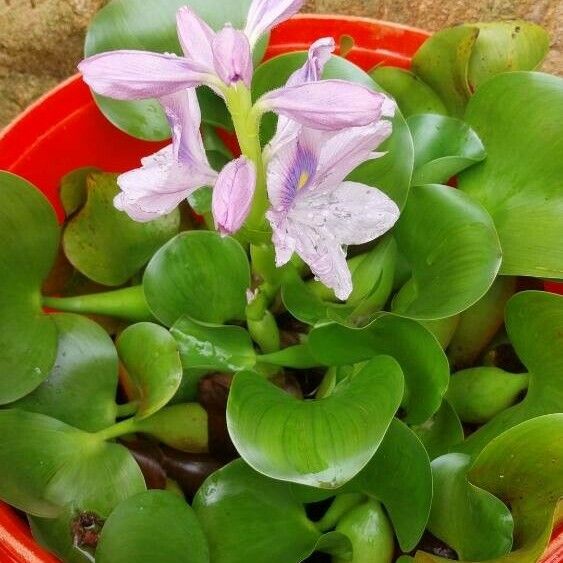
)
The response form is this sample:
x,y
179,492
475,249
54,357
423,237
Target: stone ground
x,y
41,40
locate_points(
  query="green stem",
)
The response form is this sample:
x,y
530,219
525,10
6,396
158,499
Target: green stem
x,y
298,357
127,409
246,122
122,428
128,304
340,506
265,332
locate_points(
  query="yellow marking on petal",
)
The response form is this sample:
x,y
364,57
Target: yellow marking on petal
x,y
303,179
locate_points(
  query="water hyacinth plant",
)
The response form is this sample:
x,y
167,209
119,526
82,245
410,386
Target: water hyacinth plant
x,y
305,345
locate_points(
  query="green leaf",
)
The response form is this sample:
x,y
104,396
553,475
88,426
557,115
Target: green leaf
x,y
213,347
152,526
534,322
336,544
468,518
305,305
442,329
73,192
132,24
441,431
48,466
372,280
479,324
443,146
152,362
478,394
456,61
520,181
453,249
249,517
442,63
80,390
390,173
370,532
524,467
399,476
30,238
421,358
322,443
412,95
106,245
505,47
199,274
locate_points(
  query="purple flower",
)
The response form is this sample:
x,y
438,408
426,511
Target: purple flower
x,y
169,176
232,195
214,59
327,105
315,212
264,15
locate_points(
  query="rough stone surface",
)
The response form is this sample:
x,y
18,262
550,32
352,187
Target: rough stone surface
x,y
41,40
40,45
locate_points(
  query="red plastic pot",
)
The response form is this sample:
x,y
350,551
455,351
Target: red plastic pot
x,y
65,130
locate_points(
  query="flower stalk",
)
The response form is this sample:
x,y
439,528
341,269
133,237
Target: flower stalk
x,y
246,122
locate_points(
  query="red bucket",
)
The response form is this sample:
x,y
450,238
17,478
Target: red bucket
x,y
41,146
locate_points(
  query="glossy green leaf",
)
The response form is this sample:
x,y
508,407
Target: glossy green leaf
x,y
199,274
390,173
505,47
534,322
370,532
150,357
458,60
305,305
399,476
30,238
443,146
453,249
412,95
73,191
421,358
152,526
48,465
249,517
468,518
80,390
132,24
213,347
478,394
105,244
372,280
479,324
442,329
442,63
524,467
518,118
335,544
322,443
441,431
